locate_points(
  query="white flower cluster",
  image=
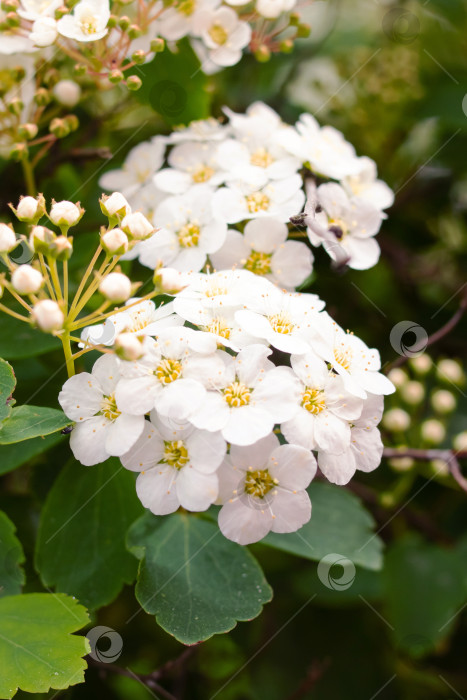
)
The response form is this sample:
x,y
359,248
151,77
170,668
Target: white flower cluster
x,y
228,191
224,396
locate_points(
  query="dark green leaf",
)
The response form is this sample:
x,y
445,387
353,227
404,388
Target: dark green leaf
x,y
7,385
81,542
17,339
28,422
196,582
13,456
11,557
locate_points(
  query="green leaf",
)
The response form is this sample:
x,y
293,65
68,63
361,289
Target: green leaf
x,y
81,542
11,557
339,525
37,649
18,340
7,385
13,456
28,422
424,590
196,582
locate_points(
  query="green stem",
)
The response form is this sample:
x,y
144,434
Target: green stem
x,y
70,364
29,179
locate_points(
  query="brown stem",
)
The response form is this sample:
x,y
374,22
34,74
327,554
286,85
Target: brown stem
x,y
448,456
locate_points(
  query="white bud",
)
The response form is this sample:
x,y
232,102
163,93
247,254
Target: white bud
x,y
421,364
7,239
67,92
114,204
61,248
413,392
26,279
48,315
443,401
137,226
116,287
401,464
433,431
440,467
460,441
451,371
167,280
40,239
115,241
398,377
396,419
28,208
65,213
129,346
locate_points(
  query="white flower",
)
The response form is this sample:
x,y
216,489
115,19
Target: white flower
x,y
101,429
171,376
257,161
262,488
177,466
115,241
353,221
199,130
7,238
223,34
188,232
129,346
140,165
273,8
44,31
26,279
280,199
35,9
114,205
248,397
141,319
137,226
284,319
258,126
178,21
366,186
116,287
357,364
88,21
192,162
65,213
170,281
67,92
219,321
325,408
48,315
365,450
264,250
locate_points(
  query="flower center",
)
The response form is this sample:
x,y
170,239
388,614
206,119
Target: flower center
x,y
237,394
313,400
202,174
343,357
338,227
257,201
262,158
88,23
218,34
168,371
259,263
215,290
175,454
219,327
186,7
281,323
138,320
109,408
188,235
259,482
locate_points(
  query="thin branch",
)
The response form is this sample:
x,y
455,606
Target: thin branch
x,y
450,457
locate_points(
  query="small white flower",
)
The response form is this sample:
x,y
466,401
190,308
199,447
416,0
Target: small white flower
x,y
262,488
101,430
67,92
115,241
223,34
178,21
199,130
48,315
114,205
65,213
88,22
35,9
171,281
140,165
264,250
116,287
273,8
192,162
257,161
44,32
26,279
137,226
177,466
7,238
366,186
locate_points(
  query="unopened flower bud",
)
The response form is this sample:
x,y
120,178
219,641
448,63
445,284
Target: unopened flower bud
x,y
19,151
12,19
10,5
28,131
167,280
114,205
286,46
401,464
15,106
51,77
443,401
40,239
439,467
72,122
42,97
7,238
460,441
26,279
157,45
67,92
59,128
422,364
413,392
61,248
79,69
30,209
396,419
116,287
450,371
398,377
48,315
18,73
263,53
124,22
128,346
134,31
138,57
303,31
433,431
65,214
133,83
294,19
113,21
137,226
115,241
61,12
115,76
